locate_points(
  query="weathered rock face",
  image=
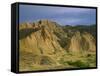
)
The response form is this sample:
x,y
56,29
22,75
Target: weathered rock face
x,y
47,37
75,44
82,42
40,38
89,39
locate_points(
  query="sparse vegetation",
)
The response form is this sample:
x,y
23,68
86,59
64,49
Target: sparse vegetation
x,y
79,64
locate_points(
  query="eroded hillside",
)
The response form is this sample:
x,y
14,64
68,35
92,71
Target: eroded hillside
x,y
47,45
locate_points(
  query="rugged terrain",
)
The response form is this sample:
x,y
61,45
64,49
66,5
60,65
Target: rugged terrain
x,y
45,45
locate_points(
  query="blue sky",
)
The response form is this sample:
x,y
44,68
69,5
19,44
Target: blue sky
x,y
61,15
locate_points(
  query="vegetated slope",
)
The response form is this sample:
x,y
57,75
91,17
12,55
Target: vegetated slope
x,y
47,45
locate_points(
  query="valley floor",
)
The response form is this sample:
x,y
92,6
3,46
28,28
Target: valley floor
x,y
31,62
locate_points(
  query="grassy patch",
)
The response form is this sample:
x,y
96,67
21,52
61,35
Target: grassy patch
x,y
78,63
79,60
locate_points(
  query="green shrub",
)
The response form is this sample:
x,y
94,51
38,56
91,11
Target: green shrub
x,y
61,61
78,63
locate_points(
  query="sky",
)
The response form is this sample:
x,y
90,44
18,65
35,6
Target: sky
x,y
61,15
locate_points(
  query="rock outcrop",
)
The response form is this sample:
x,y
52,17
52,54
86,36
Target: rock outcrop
x,y
39,38
82,42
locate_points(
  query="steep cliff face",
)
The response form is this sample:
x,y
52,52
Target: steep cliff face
x,y
75,44
89,39
47,37
40,38
82,42
45,43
